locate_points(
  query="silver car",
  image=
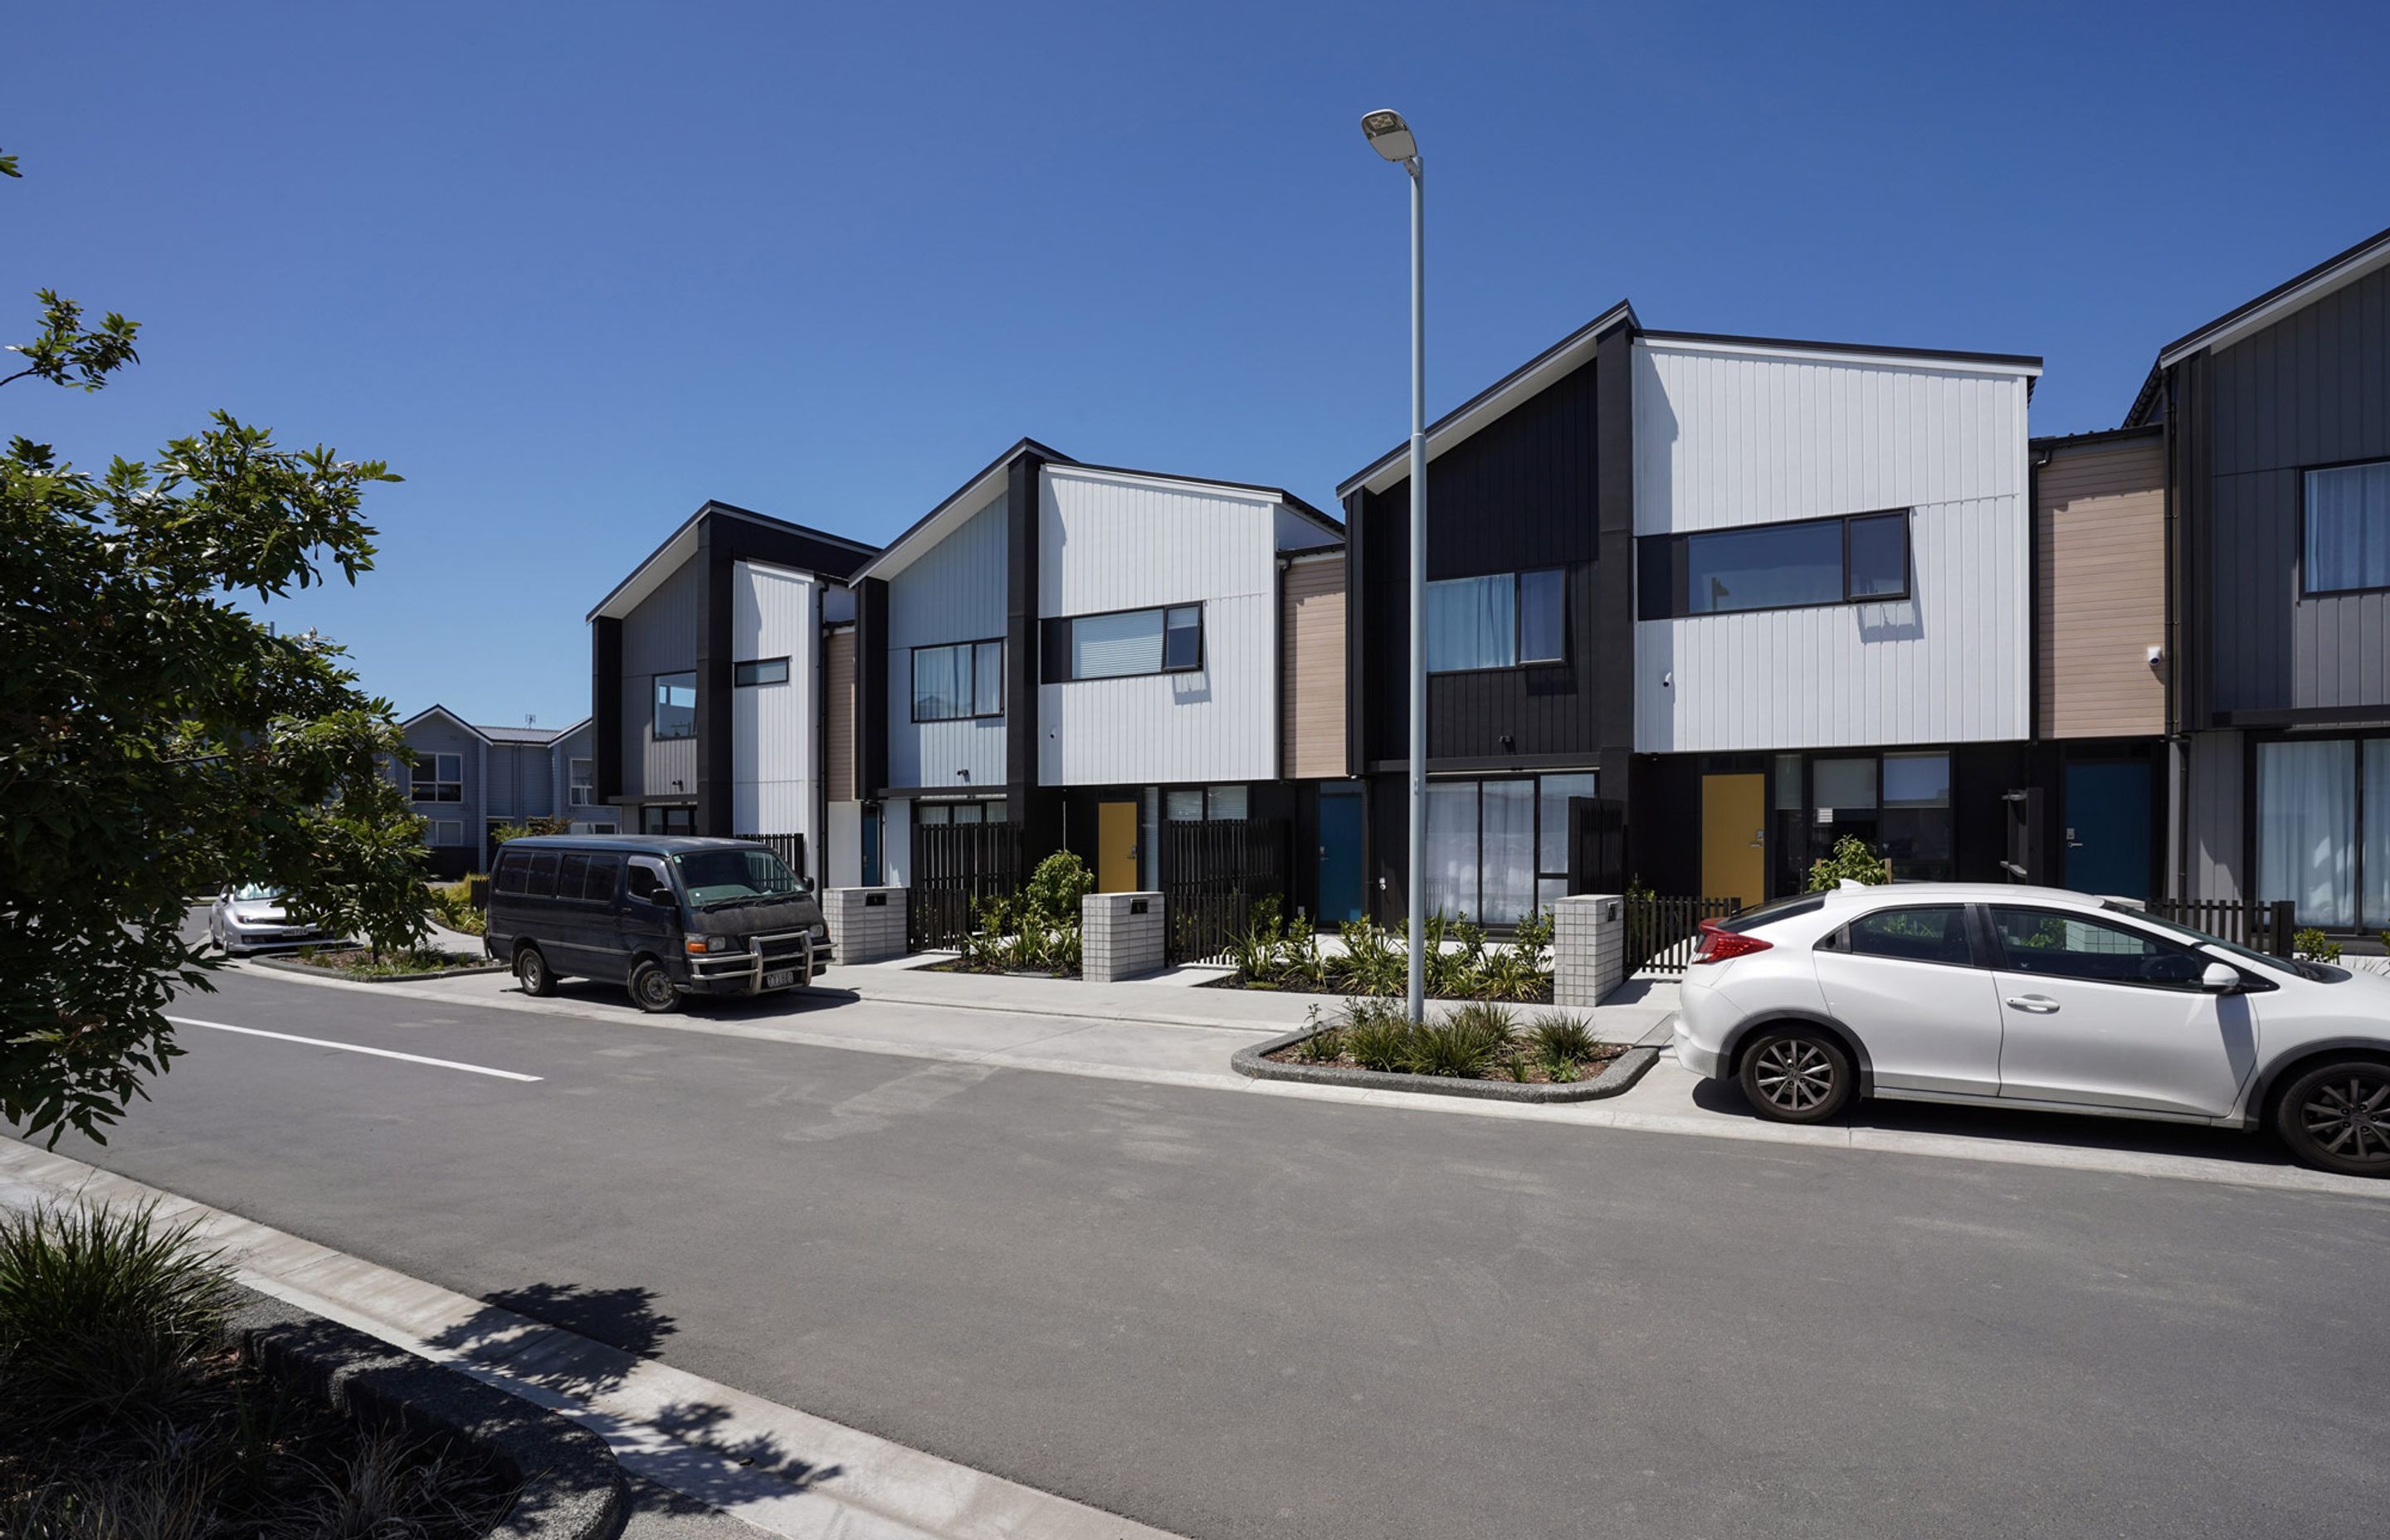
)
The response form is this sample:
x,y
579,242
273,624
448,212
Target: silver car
x,y
251,919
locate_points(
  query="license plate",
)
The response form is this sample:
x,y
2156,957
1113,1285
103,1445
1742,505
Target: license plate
x,y
775,981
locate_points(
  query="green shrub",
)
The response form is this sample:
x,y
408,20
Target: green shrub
x,y
1510,973
1495,1021
1558,1036
1300,963
2314,945
1463,1045
1372,964
1325,1045
1375,1035
105,1316
1852,860
451,905
1253,951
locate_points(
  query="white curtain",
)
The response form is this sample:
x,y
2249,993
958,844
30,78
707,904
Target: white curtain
x,y
1507,857
2348,528
1473,623
2377,833
1450,860
2306,829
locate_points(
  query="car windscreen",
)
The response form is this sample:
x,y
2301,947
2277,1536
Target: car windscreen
x,y
2200,938
727,876
256,892
1769,914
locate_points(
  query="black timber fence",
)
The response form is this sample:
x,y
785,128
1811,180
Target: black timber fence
x,y
789,848
2260,927
1664,933
955,866
1212,874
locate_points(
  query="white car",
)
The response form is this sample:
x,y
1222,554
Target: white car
x,y
1988,995
249,918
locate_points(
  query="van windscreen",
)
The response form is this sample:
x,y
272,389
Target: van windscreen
x,y
726,877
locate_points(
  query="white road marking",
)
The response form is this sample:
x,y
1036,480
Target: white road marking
x,y
353,1047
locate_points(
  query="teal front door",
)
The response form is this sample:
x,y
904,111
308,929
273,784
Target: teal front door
x,y
2107,828
1340,855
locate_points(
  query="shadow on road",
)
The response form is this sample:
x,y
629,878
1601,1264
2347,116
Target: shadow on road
x,y
2020,1127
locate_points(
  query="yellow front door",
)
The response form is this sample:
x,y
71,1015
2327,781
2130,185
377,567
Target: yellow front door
x,y
1734,838
1117,847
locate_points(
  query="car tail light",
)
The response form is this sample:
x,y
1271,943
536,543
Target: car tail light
x,y
1719,943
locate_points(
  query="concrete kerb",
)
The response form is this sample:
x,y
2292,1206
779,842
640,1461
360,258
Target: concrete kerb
x,y
571,1487
1255,1063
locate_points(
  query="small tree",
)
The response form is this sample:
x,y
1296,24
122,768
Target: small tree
x,y
1852,860
157,741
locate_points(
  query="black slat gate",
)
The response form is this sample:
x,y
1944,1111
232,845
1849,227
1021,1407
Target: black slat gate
x,y
1213,873
955,866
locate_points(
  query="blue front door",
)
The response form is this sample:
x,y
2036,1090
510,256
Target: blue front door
x,y
1340,855
2107,828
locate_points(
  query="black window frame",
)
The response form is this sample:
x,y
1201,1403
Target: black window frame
x,y
663,819
913,679
1054,643
741,678
656,684
1537,875
2306,580
445,790
1663,568
1518,621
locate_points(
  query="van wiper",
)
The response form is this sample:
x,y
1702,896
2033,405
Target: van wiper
x,y
737,903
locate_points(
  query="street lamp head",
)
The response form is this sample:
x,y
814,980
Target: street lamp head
x,y
1389,135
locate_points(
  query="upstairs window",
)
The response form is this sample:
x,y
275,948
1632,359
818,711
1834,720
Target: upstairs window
x,y
1123,643
1497,621
2348,528
676,706
438,778
958,682
1862,558
580,793
764,670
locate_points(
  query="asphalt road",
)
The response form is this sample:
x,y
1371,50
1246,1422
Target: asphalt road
x,y
1242,1314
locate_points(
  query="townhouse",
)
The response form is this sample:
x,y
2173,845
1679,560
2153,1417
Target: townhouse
x,y
2275,422
1719,601
470,781
1086,653
707,683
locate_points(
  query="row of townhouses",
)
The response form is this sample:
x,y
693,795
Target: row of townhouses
x,y
1700,605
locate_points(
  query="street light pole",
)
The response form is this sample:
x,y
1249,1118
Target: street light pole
x,y
1392,138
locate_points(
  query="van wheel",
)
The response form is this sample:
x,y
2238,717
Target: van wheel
x,y
533,972
652,991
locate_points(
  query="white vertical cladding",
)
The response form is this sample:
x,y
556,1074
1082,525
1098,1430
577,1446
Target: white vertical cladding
x,y
774,775
1108,541
955,592
1729,435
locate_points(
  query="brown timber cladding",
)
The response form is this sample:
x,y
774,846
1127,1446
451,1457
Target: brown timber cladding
x,y
838,709
1311,664
2100,526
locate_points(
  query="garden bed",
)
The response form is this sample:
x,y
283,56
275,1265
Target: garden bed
x,y
1478,1050
358,965
1329,983
959,964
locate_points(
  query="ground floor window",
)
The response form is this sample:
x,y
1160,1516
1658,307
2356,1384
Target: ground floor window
x,y
1194,804
1898,802
594,826
668,818
2323,829
988,812
1497,849
445,832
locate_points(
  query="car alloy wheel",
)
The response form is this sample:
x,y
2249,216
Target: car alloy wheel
x,y
2347,1116
1794,1074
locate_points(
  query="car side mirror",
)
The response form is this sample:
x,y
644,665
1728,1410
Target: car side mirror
x,y
2221,979
663,899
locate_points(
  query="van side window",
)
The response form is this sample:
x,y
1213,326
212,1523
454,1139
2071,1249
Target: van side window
x,y
540,881
605,875
514,870
573,871
647,877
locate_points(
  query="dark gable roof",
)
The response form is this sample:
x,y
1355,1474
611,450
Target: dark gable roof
x,y
816,550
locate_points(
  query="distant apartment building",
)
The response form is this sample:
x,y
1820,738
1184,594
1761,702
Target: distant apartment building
x,y
468,781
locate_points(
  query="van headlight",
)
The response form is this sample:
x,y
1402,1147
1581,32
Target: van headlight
x,y
706,943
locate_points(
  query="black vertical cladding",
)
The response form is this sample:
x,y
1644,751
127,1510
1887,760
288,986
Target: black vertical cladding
x,y
1613,636
713,647
871,688
1039,815
1357,674
1519,495
605,706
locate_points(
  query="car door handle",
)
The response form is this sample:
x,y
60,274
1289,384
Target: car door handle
x,y
2041,1005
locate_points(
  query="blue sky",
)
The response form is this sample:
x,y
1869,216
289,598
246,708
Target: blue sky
x,y
572,270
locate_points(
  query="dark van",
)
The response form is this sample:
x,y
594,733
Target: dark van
x,y
667,917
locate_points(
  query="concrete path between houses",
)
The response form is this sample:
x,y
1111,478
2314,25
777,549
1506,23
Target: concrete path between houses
x,y
700,1454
